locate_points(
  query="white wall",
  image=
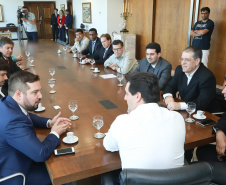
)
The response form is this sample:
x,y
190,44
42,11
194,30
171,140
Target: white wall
x,y
10,10
105,15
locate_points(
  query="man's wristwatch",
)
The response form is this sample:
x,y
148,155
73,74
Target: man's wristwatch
x,y
49,123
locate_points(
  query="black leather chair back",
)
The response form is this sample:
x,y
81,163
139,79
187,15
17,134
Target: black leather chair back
x,y
195,174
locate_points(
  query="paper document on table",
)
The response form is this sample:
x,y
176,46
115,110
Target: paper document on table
x,y
108,76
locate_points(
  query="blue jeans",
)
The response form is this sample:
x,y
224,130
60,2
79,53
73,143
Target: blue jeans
x,y
32,35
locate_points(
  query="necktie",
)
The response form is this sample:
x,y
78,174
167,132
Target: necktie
x,y
29,117
7,60
93,44
105,53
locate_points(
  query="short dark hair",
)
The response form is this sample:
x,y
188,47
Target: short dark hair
x,y
155,46
145,83
19,80
5,40
56,9
116,42
93,29
67,10
205,9
79,30
25,7
3,65
197,52
106,35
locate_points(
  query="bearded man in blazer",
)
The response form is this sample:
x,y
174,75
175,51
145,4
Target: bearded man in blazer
x,y
193,80
155,64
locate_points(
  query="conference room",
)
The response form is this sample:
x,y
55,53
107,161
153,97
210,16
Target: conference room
x,y
70,86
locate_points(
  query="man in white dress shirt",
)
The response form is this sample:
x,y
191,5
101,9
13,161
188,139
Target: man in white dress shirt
x,y
81,41
149,136
121,61
3,77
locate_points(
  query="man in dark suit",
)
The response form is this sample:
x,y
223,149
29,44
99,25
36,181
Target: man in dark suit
x,y
215,154
105,51
155,64
21,150
54,24
193,80
3,77
6,50
68,22
94,44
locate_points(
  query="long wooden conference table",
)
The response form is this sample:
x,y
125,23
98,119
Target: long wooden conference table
x,y
95,96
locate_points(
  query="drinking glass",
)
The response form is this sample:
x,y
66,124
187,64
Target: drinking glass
x,y
65,49
190,109
27,53
92,61
51,83
98,122
73,107
80,57
120,78
31,60
52,72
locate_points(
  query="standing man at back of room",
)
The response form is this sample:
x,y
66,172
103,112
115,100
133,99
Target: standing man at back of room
x,y
202,32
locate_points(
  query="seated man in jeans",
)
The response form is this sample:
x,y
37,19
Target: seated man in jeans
x,y
144,137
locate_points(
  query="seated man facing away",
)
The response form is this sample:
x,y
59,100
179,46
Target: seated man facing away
x,y
21,150
149,136
94,44
215,154
121,61
105,51
193,80
155,64
81,41
3,77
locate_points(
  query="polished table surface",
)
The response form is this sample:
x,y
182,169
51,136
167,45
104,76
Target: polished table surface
x,y
76,81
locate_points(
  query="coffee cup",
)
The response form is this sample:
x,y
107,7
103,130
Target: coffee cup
x,y
39,107
75,55
200,113
70,136
96,69
58,51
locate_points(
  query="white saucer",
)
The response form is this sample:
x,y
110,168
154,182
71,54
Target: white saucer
x,y
71,142
83,63
74,56
195,116
59,52
96,71
40,110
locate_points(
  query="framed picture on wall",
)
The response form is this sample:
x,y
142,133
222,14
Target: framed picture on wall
x,y
86,12
62,7
1,14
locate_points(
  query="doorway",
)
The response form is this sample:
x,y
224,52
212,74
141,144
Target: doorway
x,y
42,11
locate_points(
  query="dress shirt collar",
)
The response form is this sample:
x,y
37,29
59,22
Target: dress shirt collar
x,y
1,92
23,110
189,76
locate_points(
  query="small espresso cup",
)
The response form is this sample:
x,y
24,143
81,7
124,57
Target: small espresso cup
x,y
70,136
39,106
96,69
58,51
75,55
200,113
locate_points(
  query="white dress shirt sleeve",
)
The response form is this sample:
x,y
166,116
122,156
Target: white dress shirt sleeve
x,y
109,61
84,44
53,132
128,63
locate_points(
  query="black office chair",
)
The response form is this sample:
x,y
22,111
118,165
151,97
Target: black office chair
x,y
195,174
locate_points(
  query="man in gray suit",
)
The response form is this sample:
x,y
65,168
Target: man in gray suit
x,y
154,63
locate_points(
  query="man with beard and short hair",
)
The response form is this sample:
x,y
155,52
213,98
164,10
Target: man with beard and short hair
x,y
21,150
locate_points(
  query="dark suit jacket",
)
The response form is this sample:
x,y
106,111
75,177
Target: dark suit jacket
x,y
88,50
19,144
54,19
221,124
68,21
162,70
99,56
12,66
201,89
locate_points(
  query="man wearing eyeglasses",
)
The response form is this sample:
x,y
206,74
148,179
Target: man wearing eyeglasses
x,y
81,41
121,61
94,44
193,80
202,32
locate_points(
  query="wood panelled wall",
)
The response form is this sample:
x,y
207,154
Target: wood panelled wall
x,y
166,22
